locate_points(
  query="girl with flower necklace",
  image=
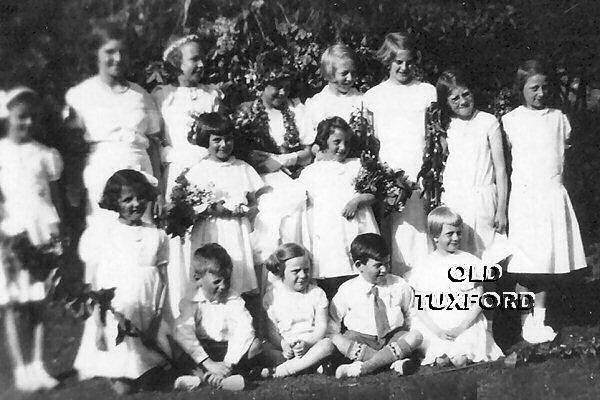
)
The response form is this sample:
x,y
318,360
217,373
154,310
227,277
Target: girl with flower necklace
x,y
279,148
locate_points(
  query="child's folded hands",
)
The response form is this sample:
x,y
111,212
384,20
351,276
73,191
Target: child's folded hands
x,y
287,350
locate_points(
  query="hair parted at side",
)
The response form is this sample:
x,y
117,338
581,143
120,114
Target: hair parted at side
x,y
525,71
276,261
126,177
209,124
369,245
333,55
222,265
328,126
450,79
438,217
392,44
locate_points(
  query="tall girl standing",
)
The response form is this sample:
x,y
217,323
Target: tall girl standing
x,y
28,195
475,181
234,184
398,105
131,256
176,104
540,215
119,117
337,213
339,98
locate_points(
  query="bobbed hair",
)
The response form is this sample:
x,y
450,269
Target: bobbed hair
x,y
449,80
175,55
525,71
438,217
369,246
222,264
126,177
276,261
393,43
332,56
209,124
328,126
105,31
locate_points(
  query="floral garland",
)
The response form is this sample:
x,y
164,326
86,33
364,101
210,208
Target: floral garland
x,y
361,122
391,186
18,253
434,158
187,203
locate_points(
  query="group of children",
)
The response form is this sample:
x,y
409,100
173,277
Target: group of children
x,y
362,306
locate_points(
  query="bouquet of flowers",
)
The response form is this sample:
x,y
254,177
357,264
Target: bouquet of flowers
x,y
392,186
187,202
252,130
361,122
434,158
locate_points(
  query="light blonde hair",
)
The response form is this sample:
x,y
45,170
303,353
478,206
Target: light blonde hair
x,y
438,217
393,43
331,56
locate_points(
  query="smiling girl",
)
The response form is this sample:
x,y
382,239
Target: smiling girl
x,y
337,213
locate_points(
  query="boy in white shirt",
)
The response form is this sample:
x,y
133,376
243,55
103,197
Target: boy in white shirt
x,y
214,327
376,309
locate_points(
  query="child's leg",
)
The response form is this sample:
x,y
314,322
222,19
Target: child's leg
x,y
321,350
400,346
21,379
351,348
37,366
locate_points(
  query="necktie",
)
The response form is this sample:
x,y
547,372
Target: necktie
x,y
381,320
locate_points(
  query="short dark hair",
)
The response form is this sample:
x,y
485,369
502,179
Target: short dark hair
x,y
126,177
328,126
449,80
209,124
223,266
276,261
369,245
104,31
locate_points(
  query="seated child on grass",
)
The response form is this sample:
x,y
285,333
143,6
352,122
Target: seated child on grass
x,y
450,334
214,327
297,312
376,308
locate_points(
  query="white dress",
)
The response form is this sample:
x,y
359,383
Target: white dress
x,y
126,258
327,104
230,181
294,313
176,105
470,185
117,127
476,342
330,186
399,124
26,170
284,206
540,215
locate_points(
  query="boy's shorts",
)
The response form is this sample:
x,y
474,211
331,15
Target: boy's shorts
x,y
373,341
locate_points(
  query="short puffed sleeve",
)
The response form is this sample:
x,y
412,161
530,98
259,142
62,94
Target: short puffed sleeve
x,y
53,164
565,126
253,181
319,298
162,255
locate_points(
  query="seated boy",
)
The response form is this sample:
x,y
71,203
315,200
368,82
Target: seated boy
x,y
214,327
375,307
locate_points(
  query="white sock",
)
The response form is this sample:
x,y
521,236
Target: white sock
x,y
539,314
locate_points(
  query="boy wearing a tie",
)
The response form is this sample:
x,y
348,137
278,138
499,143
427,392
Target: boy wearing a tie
x,y
376,308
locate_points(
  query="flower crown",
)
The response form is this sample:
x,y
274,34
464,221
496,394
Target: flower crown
x,y
178,43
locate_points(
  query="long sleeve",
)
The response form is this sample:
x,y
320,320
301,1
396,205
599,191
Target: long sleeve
x,y
185,331
241,333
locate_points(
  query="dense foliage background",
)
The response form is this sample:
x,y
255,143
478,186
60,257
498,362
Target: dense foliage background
x,y
42,44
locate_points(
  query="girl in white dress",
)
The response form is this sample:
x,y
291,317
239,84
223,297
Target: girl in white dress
x,y
449,333
540,215
475,181
296,310
338,98
398,105
120,118
176,105
337,213
28,194
234,184
131,256
282,216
